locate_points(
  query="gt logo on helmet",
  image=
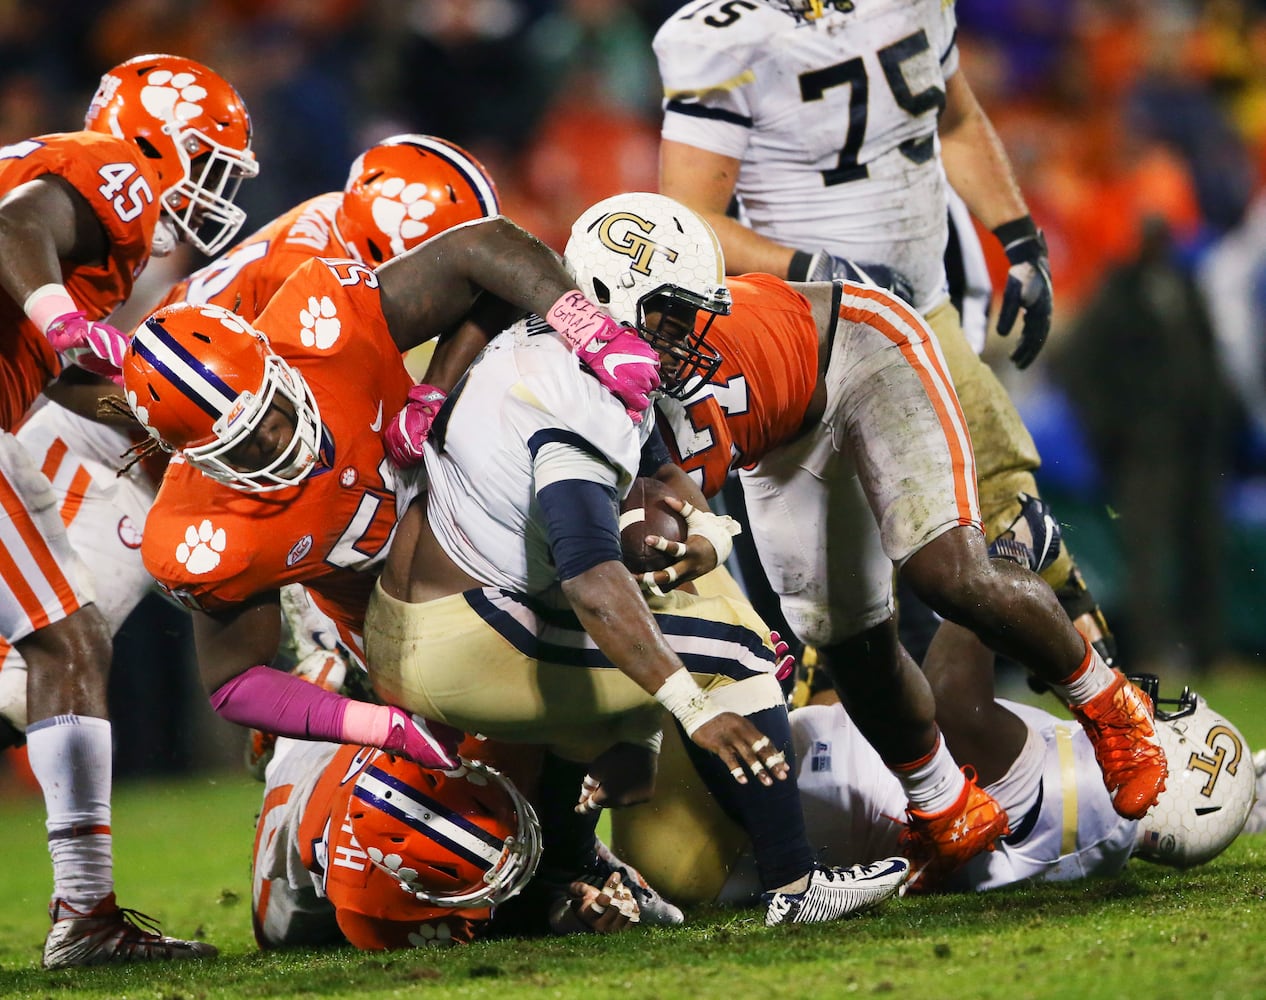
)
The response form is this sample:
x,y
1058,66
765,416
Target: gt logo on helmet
x,y
634,246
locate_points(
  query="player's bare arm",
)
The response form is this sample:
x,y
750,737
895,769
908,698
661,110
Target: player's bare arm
x,y
237,639
432,287
42,223
612,610
975,161
705,181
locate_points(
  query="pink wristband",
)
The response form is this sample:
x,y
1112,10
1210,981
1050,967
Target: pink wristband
x,y
576,318
366,724
47,303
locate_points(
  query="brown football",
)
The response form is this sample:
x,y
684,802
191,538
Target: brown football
x,y
643,513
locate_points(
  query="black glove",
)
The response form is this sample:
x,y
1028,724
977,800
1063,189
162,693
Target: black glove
x,y
1028,286
822,266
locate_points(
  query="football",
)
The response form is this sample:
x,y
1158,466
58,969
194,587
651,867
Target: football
x,y
643,513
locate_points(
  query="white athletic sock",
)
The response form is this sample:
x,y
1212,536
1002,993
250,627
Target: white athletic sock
x,y
932,783
71,757
1088,680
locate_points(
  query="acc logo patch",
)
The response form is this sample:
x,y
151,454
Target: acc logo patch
x,y
300,549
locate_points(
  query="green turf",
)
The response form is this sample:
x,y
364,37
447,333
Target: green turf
x,y
183,856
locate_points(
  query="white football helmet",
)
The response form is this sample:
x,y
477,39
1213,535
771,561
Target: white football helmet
x,y
1211,786
641,254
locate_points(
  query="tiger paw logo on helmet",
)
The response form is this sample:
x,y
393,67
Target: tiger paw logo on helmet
x,y
320,321
172,96
400,210
200,551
431,936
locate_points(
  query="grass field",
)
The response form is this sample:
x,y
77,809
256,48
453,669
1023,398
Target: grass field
x,y
183,855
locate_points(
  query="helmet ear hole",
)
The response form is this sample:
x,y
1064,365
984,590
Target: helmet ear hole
x,y
602,292
148,148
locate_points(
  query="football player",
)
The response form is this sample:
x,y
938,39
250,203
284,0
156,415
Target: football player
x,y
504,607
833,403
344,829
166,141
835,125
398,193
1040,767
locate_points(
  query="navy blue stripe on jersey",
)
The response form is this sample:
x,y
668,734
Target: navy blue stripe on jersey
x,y
556,435
950,47
654,453
703,111
555,636
582,524
411,801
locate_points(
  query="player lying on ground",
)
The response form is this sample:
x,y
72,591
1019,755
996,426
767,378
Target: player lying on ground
x,y
1040,768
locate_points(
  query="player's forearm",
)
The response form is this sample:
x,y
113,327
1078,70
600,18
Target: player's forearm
x,y
747,251
975,161
614,613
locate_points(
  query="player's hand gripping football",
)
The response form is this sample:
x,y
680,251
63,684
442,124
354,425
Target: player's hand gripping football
x,y
709,542
406,432
1028,288
743,749
95,347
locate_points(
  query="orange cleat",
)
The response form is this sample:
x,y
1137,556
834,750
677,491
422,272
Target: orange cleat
x,y
940,843
1119,723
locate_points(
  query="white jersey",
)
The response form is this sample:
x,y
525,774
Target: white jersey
x,y
854,807
834,121
530,416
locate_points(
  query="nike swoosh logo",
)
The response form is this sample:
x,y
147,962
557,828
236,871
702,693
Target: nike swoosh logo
x,y
376,426
613,361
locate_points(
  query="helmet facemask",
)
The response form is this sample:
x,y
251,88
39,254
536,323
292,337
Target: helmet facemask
x,y
201,205
242,419
679,334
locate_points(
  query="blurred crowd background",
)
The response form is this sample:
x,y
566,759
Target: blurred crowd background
x,y
1137,129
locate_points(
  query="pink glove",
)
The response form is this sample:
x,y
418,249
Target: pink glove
x,y
96,347
431,744
625,364
406,432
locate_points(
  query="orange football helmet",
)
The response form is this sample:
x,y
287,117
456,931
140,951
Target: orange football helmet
x,y
463,839
201,380
406,189
193,123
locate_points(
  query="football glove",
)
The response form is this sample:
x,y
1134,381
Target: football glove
x,y
1028,288
96,347
625,364
406,432
822,266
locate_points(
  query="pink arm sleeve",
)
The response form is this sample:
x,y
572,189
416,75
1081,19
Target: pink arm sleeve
x,y
278,702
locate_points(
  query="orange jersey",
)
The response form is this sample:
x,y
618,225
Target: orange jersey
x,y
758,397
372,911
212,546
122,188
245,279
